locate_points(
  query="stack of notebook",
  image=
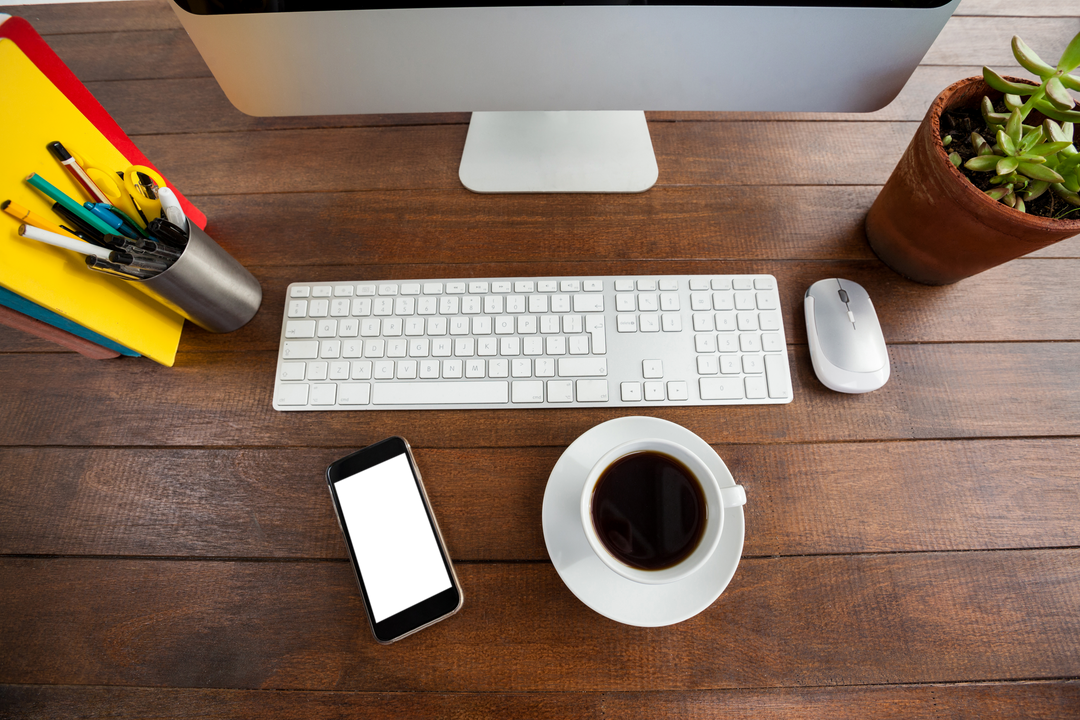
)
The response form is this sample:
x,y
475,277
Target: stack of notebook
x,y
45,290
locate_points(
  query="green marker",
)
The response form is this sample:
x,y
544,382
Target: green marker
x,y
75,208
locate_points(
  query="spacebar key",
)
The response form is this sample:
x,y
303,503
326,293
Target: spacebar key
x,y
440,393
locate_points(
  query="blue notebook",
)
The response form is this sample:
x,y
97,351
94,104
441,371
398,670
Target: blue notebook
x,y
21,304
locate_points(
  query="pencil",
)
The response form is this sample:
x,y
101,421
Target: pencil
x,y
23,215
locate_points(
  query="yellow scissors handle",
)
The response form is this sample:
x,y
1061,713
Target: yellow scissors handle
x,y
111,186
141,184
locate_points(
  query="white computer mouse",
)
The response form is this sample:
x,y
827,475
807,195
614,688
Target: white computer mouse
x,y
846,344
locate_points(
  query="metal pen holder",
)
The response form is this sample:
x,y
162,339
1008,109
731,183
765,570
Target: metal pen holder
x,y
207,286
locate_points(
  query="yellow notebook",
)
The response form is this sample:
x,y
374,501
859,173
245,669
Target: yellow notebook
x,y
33,113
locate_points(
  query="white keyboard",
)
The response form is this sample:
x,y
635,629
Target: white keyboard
x,y
621,341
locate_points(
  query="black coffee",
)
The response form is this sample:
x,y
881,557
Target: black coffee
x,y
649,510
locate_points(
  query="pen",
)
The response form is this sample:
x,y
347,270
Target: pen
x,y
101,210
164,231
62,241
79,211
126,244
64,157
138,262
128,220
170,207
23,215
104,266
79,227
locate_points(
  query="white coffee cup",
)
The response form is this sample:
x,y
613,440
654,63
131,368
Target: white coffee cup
x,y
716,500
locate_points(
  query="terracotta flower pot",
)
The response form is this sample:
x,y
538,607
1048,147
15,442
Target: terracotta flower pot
x,y
931,225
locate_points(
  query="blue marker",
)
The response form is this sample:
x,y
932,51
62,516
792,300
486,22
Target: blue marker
x,y
108,214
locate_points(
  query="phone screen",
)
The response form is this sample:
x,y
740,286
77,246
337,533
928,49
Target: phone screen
x,y
397,553
392,539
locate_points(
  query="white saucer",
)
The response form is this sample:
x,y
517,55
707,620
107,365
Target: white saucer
x,y
594,583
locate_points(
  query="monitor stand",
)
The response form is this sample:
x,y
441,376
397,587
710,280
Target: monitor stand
x,y
558,152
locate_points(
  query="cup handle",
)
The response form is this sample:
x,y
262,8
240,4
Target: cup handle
x,y
733,496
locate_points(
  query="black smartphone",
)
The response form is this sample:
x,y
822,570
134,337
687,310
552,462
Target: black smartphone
x,y
395,546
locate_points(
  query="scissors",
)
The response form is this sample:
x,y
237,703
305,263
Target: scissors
x,y
141,185
118,195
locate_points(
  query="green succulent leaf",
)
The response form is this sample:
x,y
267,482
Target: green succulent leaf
x,y
1058,95
1007,165
1070,81
946,141
978,142
1072,183
955,159
1019,204
1051,148
997,193
991,117
1069,196
1036,189
1030,140
1006,86
1053,131
1039,172
1049,110
1013,102
1006,143
982,163
1015,127
1070,59
1029,60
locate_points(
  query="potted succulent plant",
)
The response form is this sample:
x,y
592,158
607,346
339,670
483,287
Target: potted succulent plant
x,y
991,174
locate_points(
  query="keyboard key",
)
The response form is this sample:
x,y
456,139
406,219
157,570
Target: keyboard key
x,y
292,370
776,373
560,391
300,349
354,393
440,393
300,329
582,367
291,395
592,390
677,390
323,394
721,388
528,391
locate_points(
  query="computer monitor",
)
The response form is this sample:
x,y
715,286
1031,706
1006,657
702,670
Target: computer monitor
x,y
558,91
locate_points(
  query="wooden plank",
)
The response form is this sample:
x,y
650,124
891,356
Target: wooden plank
x,y
986,40
54,19
347,236
224,399
129,55
803,499
352,159
877,619
1011,8
1043,700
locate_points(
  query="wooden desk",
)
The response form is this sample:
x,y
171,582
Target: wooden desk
x,y
168,547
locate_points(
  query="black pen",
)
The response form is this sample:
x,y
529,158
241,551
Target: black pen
x,y
142,245
120,271
139,262
163,230
85,231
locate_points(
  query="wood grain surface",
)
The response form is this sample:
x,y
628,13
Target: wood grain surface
x,y
167,545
